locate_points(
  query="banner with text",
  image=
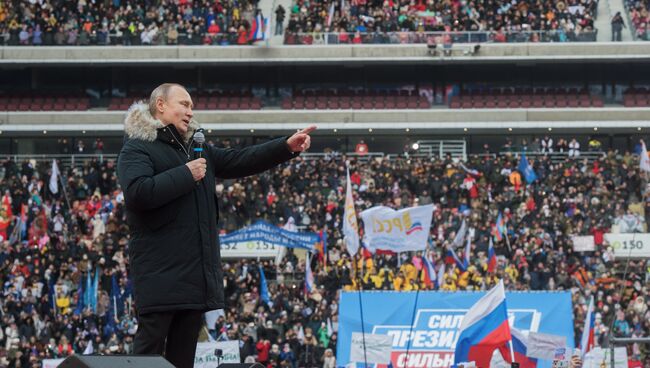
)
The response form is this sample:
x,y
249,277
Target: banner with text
x,y
205,357
397,231
264,232
635,245
251,249
431,338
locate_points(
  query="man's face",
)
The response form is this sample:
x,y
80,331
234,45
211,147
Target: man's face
x,y
176,109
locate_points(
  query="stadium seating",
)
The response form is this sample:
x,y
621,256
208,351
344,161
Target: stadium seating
x,y
125,23
636,97
343,100
229,100
415,22
44,102
525,98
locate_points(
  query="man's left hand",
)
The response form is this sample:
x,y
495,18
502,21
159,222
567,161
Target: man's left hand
x,y
300,141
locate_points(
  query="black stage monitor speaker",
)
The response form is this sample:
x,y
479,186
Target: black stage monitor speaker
x,y
241,365
115,361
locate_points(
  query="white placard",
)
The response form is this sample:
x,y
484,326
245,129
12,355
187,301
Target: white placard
x,y
51,363
543,346
583,243
561,358
467,365
252,249
597,356
212,316
378,348
205,357
629,245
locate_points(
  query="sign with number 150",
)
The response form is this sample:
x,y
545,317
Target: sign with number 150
x,y
629,245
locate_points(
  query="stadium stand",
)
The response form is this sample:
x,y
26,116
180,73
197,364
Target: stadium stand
x,y
636,97
126,23
638,18
346,99
62,101
49,248
223,100
526,98
361,21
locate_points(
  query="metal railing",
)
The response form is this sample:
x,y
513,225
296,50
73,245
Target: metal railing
x,y
439,38
104,39
359,156
442,148
557,157
64,160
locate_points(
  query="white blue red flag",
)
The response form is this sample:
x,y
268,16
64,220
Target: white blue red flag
x,y
587,340
484,329
492,258
520,349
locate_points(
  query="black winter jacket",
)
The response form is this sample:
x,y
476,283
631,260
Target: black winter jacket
x,y
174,246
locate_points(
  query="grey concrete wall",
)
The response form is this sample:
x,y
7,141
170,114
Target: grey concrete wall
x,y
279,120
301,54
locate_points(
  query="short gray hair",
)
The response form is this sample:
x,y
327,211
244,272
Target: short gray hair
x,y
162,91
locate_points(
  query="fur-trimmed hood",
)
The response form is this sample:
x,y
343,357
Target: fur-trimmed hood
x,y
139,124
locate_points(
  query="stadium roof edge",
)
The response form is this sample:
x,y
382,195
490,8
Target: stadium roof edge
x,y
365,54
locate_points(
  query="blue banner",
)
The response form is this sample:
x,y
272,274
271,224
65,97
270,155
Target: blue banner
x,y
265,232
431,338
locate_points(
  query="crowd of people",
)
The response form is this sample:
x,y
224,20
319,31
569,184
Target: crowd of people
x,y
202,22
362,21
126,22
639,18
56,247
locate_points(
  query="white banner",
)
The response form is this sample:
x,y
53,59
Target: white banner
x,y
51,363
629,245
543,346
377,348
397,231
205,357
583,243
252,249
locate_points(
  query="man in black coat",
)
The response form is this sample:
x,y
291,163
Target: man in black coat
x,y
172,212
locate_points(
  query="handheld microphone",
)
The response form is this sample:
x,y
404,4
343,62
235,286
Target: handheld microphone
x,y
199,138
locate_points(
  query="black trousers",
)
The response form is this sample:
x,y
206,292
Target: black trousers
x,y
171,334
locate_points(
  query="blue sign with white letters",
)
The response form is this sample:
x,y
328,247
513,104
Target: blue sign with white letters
x,y
264,232
424,335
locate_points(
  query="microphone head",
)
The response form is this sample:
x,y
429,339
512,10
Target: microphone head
x,y
199,137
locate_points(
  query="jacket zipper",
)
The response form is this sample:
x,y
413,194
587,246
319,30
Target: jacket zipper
x,y
180,144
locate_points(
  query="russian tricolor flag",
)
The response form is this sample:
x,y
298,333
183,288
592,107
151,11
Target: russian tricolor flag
x,y
257,31
452,258
484,329
492,258
429,271
520,348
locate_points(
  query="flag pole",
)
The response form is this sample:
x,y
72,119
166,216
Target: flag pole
x,y
512,351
